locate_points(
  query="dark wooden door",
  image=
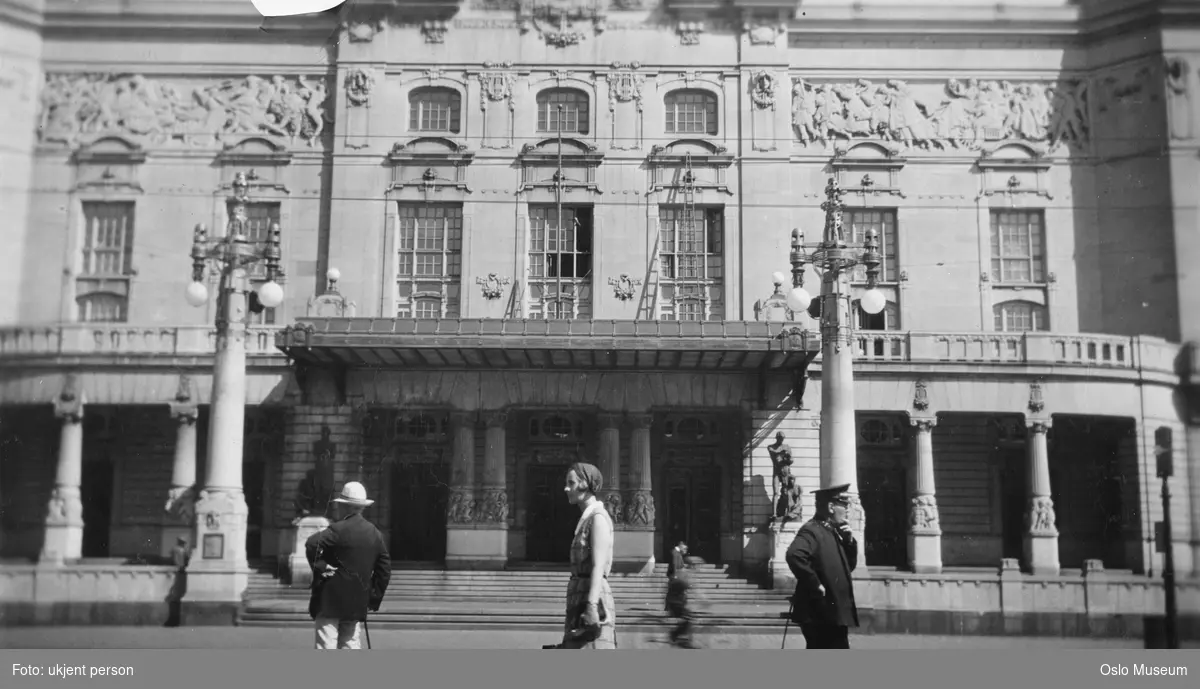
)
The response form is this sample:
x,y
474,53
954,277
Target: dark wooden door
x,y
549,518
253,483
1014,500
883,490
694,511
96,493
419,494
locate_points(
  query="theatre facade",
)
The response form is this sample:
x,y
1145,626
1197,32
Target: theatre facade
x,y
517,235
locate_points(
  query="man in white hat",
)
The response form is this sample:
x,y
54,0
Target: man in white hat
x,y
351,570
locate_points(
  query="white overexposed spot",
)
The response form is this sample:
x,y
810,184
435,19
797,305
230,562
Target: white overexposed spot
x,y
286,8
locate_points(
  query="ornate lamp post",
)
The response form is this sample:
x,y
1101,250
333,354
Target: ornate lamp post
x,y
833,258
221,510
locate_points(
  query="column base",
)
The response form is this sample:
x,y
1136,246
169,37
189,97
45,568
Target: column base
x,y
299,571
1041,554
925,553
476,548
782,536
633,551
64,543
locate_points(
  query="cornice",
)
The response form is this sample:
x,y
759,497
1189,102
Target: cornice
x,y
24,13
229,18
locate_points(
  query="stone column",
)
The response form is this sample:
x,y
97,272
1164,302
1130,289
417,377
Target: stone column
x,y
1041,534
64,514
491,506
181,500
610,466
924,527
636,547
461,542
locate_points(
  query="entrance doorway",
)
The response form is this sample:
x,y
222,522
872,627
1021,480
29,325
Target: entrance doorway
x,y
550,520
419,495
694,511
96,493
883,490
253,481
1013,501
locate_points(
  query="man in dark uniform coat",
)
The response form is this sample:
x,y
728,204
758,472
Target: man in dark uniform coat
x,y
822,558
351,570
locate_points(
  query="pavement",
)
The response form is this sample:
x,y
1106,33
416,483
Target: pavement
x,y
284,638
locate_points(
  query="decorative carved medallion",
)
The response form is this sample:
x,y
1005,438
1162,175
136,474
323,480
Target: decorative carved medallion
x,y
492,285
625,84
462,506
639,512
492,507
434,31
921,396
689,32
762,93
78,107
1036,402
923,516
966,115
359,84
624,287
764,34
1040,520
497,85
561,22
362,31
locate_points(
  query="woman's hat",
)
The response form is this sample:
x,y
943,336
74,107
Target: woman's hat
x,y
353,493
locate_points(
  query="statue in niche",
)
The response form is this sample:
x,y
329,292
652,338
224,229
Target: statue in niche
x,y
781,458
325,452
310,502
788,507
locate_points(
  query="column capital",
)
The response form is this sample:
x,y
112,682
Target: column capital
x,y
608,420
460,418
184,412
641,420
923,424
1038,424
68,407
495,418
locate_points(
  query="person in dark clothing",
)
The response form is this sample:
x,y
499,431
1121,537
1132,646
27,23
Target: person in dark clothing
x,y
181,554
678,586
351,569
822,557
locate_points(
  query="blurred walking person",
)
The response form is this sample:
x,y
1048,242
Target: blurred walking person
x,y
351,569
679,585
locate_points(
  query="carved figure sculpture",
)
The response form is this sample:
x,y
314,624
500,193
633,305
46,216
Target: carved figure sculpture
x,y
781,459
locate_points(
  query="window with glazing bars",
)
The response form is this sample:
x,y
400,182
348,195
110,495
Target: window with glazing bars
x,y
429,260
883,222
103,283
560,258
1020,316
434,110
1018,246
574,113
691,259
691,112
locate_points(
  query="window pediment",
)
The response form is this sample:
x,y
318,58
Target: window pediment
x,y
869,168
575,150
430,163
695,163
255,150
110,150
540,165
1013,168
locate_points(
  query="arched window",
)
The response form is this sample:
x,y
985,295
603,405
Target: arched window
x,y
427,308
691,112
434,109
1020,316
574,111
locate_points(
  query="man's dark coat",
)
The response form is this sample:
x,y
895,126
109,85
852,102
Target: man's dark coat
x,y
819,555
356,548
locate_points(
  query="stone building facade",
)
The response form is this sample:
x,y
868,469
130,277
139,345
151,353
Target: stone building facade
x,y
554,226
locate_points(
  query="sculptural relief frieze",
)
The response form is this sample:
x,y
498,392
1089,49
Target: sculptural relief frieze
x,y
966,114
76,107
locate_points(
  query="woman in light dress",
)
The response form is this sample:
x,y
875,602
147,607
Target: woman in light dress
x,y
591,617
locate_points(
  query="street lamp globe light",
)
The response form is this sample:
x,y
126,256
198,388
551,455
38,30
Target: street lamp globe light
x,y
270,294
333,275
873,301
197,294
798,299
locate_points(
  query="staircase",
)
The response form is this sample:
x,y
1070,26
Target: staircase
x,y
522,598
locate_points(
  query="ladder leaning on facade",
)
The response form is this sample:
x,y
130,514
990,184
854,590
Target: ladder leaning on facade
x,y
687,242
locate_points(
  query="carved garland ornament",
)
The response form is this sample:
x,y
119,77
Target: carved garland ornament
x,y
763,93
359,84
497,85
79,106
966,115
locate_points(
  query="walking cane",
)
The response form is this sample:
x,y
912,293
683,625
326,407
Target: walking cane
x,y
788,623
367,632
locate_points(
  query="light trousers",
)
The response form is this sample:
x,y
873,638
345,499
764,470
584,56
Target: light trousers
x,y
338,634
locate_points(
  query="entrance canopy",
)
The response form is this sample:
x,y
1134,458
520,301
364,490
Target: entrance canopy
x,y
548,344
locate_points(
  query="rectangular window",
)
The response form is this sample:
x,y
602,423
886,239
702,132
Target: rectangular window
x,y
260,215
883,222
1018,246
574,113
560,262
428,260
434,111
691,113
102,288
691,263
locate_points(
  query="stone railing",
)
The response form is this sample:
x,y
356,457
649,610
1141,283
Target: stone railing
x,y
1112,352
91,339
1094,351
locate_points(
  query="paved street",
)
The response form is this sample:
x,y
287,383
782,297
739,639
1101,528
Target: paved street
x,y
263,638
